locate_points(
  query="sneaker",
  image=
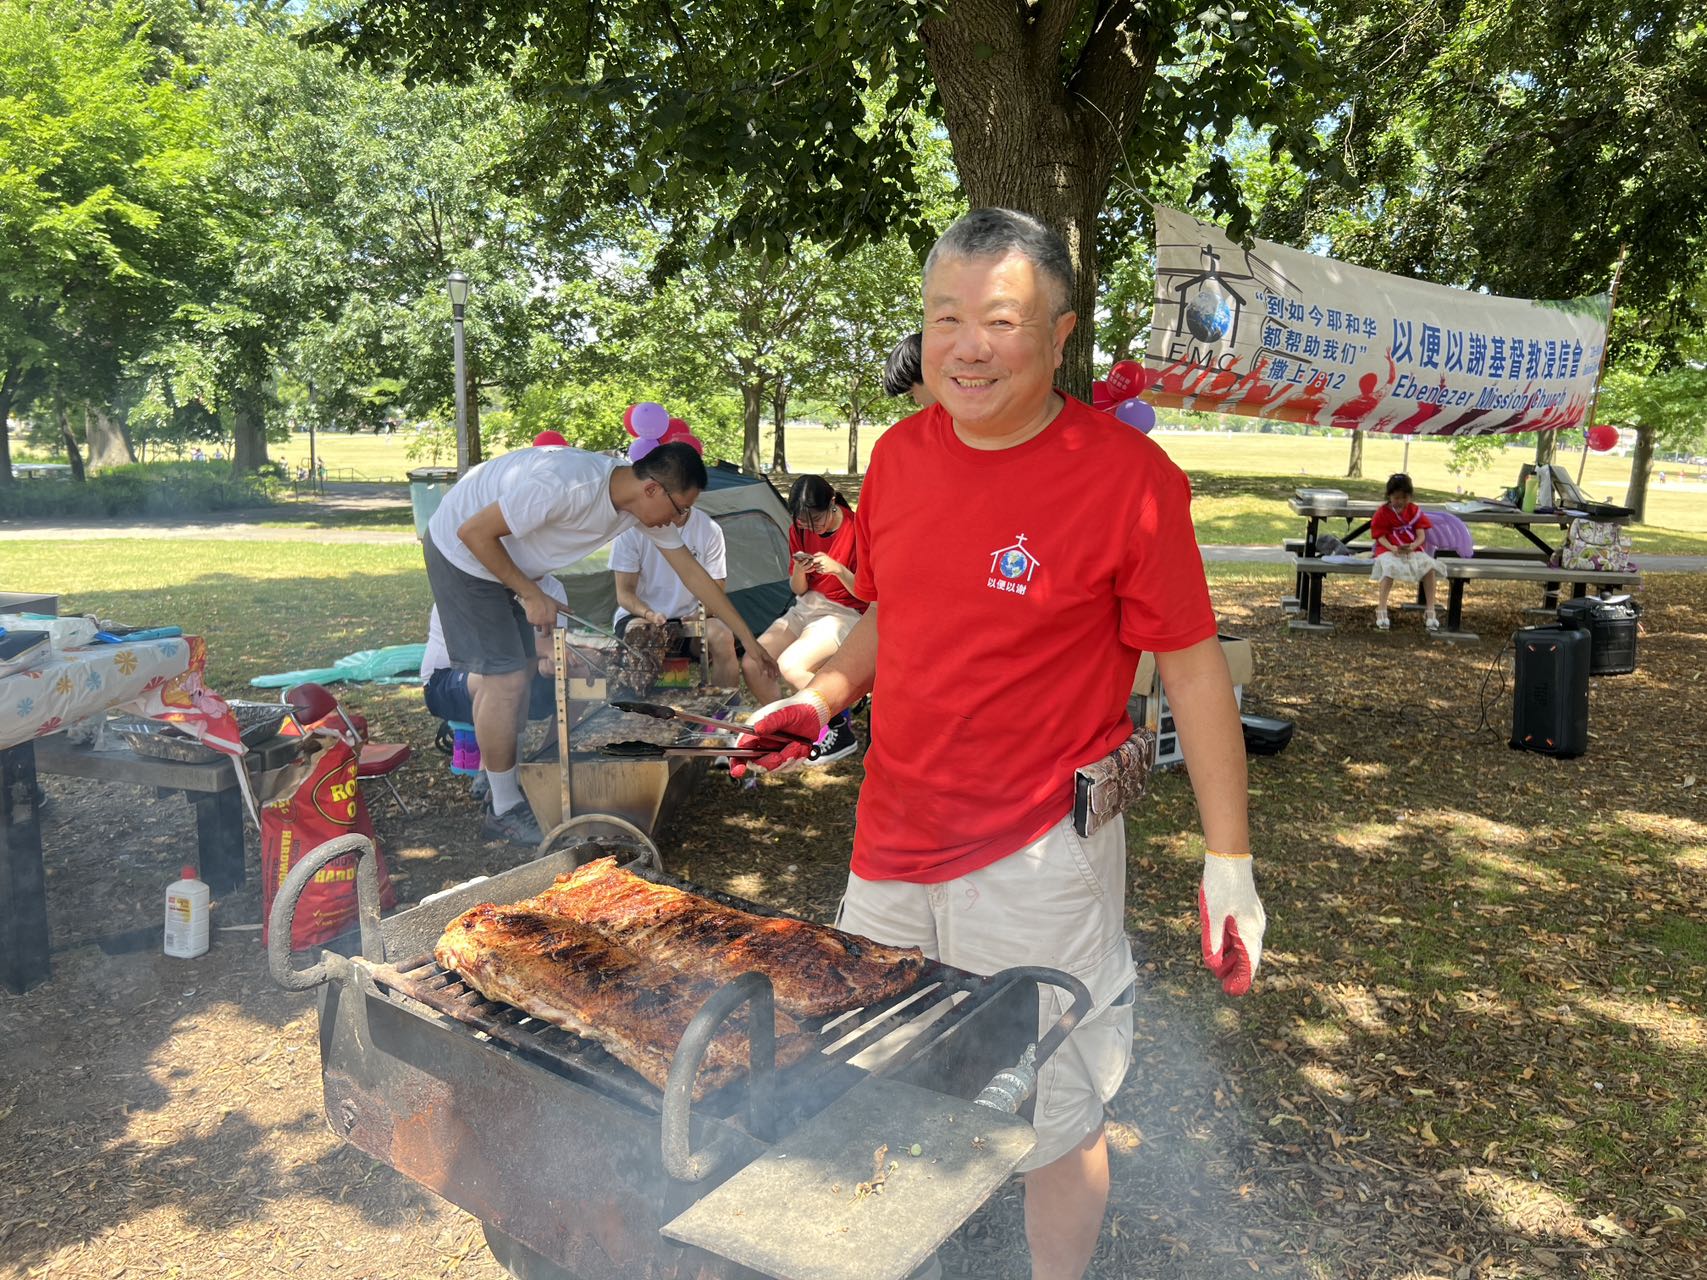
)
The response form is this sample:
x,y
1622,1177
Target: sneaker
x,y
1381,623
838,744
1432,622
516,825
481,787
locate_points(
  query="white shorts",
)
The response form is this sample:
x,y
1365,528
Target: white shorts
x,y
1060,902
816,614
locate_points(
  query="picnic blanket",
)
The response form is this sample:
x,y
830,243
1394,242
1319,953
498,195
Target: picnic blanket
x,y
394,664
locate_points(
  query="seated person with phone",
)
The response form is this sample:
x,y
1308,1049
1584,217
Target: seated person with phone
x,y
825,610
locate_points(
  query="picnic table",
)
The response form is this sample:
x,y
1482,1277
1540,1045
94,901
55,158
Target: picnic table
x,y
1311,569
36,705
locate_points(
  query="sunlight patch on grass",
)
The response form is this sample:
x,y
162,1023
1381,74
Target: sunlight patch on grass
x,y
1485,830
1321,1036
1325,1079
1358,1005
1668,1024
1526,1207
1498,873
1369,837
414,852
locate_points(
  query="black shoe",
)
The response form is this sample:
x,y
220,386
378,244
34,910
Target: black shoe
x,y
838,744
517,825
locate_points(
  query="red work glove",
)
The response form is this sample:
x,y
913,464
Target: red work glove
x,y
805,715
1233,920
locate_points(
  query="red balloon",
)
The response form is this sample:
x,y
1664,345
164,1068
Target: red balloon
x,y
1602,438
628,420
1126,379
1101,396
689,438
549,437
677,424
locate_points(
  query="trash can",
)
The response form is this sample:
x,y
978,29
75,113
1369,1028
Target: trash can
x,y
427,488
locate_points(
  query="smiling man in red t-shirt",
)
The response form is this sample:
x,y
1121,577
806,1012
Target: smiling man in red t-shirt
x,y
1020,551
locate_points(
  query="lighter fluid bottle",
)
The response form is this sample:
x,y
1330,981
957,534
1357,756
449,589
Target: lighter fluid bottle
x,y
186,916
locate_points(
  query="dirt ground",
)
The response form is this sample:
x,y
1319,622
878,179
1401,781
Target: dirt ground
x,y
163,1118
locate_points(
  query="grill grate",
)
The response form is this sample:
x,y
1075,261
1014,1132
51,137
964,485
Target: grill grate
x,y
803,1088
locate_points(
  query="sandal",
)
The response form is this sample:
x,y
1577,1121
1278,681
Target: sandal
x,y
1381,623
1432,623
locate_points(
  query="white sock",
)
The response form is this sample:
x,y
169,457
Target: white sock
x,y
506,790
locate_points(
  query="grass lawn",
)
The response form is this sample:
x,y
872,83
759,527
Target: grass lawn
x,y
1478,1046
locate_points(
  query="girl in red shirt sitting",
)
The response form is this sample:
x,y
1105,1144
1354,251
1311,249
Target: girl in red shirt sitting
x,y
821,545
1397,531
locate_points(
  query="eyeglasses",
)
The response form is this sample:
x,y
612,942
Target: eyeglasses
x,y
681,511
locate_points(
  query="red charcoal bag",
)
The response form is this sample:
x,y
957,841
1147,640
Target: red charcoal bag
x,y
325,804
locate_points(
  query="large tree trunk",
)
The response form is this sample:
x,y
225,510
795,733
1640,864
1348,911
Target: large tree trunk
x,y
1546,447
1354,467
8,390
249,430
72,454
853,444
109,439
779,417
1026,139
752,406
1641,469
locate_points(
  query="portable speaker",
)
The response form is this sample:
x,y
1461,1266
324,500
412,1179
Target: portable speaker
x,y
1549,710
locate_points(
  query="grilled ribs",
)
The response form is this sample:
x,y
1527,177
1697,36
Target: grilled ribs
x,y
572,976
813,970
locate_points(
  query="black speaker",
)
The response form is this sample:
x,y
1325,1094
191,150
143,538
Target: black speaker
x,y
1611,625
1549,710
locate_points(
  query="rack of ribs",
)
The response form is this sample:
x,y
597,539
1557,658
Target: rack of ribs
x,y
813,970
570,975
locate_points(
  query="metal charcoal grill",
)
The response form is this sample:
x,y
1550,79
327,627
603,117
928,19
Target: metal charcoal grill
x,y
574,1163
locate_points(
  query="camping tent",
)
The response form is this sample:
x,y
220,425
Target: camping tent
x,y
755,522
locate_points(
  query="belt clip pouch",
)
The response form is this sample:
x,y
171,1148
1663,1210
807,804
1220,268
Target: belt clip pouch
x,y
1107,787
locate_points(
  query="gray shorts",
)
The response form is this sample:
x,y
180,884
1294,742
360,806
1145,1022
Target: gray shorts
x,y
487,632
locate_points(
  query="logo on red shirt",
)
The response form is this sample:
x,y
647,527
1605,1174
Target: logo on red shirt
x,y
1011,568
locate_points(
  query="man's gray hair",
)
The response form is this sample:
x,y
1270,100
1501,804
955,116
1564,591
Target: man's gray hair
x,y
993,233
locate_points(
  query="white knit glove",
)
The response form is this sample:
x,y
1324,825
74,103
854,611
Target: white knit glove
x,y
1233,920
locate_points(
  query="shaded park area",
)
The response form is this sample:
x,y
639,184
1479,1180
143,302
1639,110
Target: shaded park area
x,y
1475,1048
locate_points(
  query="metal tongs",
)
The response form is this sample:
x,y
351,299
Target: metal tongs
x,y
661,711
596,629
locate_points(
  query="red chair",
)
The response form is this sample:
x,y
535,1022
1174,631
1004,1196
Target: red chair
x,y
313,704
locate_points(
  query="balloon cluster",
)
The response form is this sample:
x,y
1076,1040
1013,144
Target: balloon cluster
x,y
651,425
1119,395
1602,438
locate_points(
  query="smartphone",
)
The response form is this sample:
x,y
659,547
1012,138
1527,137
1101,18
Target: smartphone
x,y
801,557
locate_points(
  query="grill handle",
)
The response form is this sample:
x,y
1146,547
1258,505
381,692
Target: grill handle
x,y
693,1166
1009,1088
283,916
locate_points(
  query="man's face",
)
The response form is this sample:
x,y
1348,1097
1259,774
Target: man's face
x,y
664,507
992,342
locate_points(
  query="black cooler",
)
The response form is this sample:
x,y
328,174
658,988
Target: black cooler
x,y
1611,625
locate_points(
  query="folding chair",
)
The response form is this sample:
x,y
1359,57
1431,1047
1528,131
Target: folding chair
x,y
311,704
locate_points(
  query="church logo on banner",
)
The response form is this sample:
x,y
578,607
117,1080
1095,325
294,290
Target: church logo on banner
x,y
1274,332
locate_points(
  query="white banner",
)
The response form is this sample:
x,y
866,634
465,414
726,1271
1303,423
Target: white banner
x,y
1278,333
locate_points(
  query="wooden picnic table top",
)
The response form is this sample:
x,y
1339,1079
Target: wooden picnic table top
x,y
1468,512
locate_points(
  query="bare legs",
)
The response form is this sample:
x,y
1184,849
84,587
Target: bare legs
x,y
1064,1205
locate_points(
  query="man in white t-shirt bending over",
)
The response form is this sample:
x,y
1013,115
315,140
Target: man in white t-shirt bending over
x,y
516,518
648,588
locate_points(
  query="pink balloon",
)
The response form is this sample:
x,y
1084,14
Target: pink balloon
x,y
1137,414
640,448
650,420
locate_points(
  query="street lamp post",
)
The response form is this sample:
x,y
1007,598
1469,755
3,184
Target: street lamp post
x,y
457,286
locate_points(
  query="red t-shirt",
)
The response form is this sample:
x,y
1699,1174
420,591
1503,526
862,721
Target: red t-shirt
x,y
1402,528
1015,590
841,547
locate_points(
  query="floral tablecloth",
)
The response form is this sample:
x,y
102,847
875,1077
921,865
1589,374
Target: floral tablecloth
x,y
158,678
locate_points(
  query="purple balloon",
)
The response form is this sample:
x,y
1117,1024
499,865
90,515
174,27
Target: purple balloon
x,y
1136,413
650,420
640,448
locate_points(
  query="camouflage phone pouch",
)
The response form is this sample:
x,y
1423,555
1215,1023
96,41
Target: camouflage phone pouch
x,y
1105,789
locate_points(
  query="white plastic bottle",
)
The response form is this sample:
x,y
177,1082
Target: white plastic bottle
x,y
186,916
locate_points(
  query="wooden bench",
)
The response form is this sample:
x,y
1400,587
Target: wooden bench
x,y
1460,572
211,788
1312,571
1297,546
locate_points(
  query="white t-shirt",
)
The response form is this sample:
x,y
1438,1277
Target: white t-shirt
x,y
659,587
556,502
437,656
